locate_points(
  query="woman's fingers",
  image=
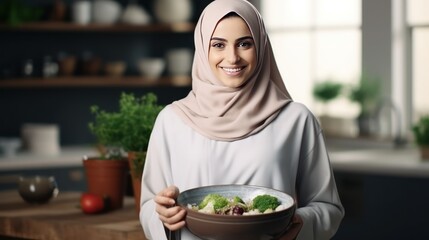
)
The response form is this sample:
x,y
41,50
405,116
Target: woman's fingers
x,y
176,226
172,216
164,201
171,191
167,196
174,219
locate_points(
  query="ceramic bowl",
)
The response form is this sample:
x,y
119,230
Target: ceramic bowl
x,y
229,227
115,69
179,61
151,67
37,189
106,11
9,146
67,65
92,65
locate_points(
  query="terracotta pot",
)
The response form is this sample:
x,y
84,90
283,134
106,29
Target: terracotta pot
x,y
107,178
136,175
364,123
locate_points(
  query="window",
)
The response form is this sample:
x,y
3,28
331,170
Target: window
x,y
316,40
418,24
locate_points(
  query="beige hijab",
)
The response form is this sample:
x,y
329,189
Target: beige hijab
x,y
228,114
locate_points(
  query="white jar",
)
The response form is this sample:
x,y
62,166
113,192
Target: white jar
x,y
81,12
173,11
41,139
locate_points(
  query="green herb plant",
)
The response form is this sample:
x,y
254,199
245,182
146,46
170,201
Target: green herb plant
x,y
421,131
327,90
366,93
129,128
14,12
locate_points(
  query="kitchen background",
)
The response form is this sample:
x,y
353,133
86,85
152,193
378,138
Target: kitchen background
x,y
382,185
69,106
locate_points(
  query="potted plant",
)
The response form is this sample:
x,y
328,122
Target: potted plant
x,y
421,135
106,174
366,93
128,130
325,92
138,115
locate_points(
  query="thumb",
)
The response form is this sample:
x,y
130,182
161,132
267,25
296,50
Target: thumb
x,y
172,191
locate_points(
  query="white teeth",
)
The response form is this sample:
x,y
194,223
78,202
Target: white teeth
x,y
232,69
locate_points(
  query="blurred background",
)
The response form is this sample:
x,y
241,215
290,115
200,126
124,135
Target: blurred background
x,y
359,65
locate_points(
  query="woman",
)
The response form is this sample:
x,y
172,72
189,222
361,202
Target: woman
x,y
238,125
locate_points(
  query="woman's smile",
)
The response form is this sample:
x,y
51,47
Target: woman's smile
x,y
233,71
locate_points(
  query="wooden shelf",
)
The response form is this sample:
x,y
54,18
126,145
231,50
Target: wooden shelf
x,y
95,81
120,27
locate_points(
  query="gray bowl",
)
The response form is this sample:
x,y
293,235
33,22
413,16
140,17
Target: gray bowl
x,y
228,227
37,189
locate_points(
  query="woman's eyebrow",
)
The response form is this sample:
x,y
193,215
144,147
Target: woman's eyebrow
x,y
218,39
239,39
245,38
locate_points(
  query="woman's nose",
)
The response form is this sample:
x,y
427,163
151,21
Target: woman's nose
x,y
232,55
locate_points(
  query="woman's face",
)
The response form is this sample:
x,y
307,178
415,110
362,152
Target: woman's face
x,y
232,52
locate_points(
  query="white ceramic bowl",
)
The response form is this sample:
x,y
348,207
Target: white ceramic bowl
x,y
179,61
151,67
9,146
135,14
106,11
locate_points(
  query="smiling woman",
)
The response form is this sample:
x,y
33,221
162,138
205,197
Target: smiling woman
x,y
237,126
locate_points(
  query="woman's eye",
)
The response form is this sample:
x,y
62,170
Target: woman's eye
x,y
245,44
218,45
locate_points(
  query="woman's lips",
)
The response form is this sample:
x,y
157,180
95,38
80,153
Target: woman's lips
x,y
233,71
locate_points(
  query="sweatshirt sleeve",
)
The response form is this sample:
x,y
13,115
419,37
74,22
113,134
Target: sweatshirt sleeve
x,y
319,204
156,176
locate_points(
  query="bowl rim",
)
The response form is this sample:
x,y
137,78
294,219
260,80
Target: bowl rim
x,y
292,206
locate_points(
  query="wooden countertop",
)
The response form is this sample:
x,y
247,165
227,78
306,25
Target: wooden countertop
x,y
68,157
61,219
404,162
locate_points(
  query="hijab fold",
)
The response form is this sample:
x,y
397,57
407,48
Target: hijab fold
x,y
224,113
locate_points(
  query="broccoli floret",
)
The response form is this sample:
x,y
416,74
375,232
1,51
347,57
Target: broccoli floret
x,y
237,199
264,202
216,200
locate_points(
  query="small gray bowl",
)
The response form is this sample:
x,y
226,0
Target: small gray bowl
x,y
229,227
37,189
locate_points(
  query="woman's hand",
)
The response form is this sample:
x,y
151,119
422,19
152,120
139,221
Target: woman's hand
x,y
172,216
293,229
